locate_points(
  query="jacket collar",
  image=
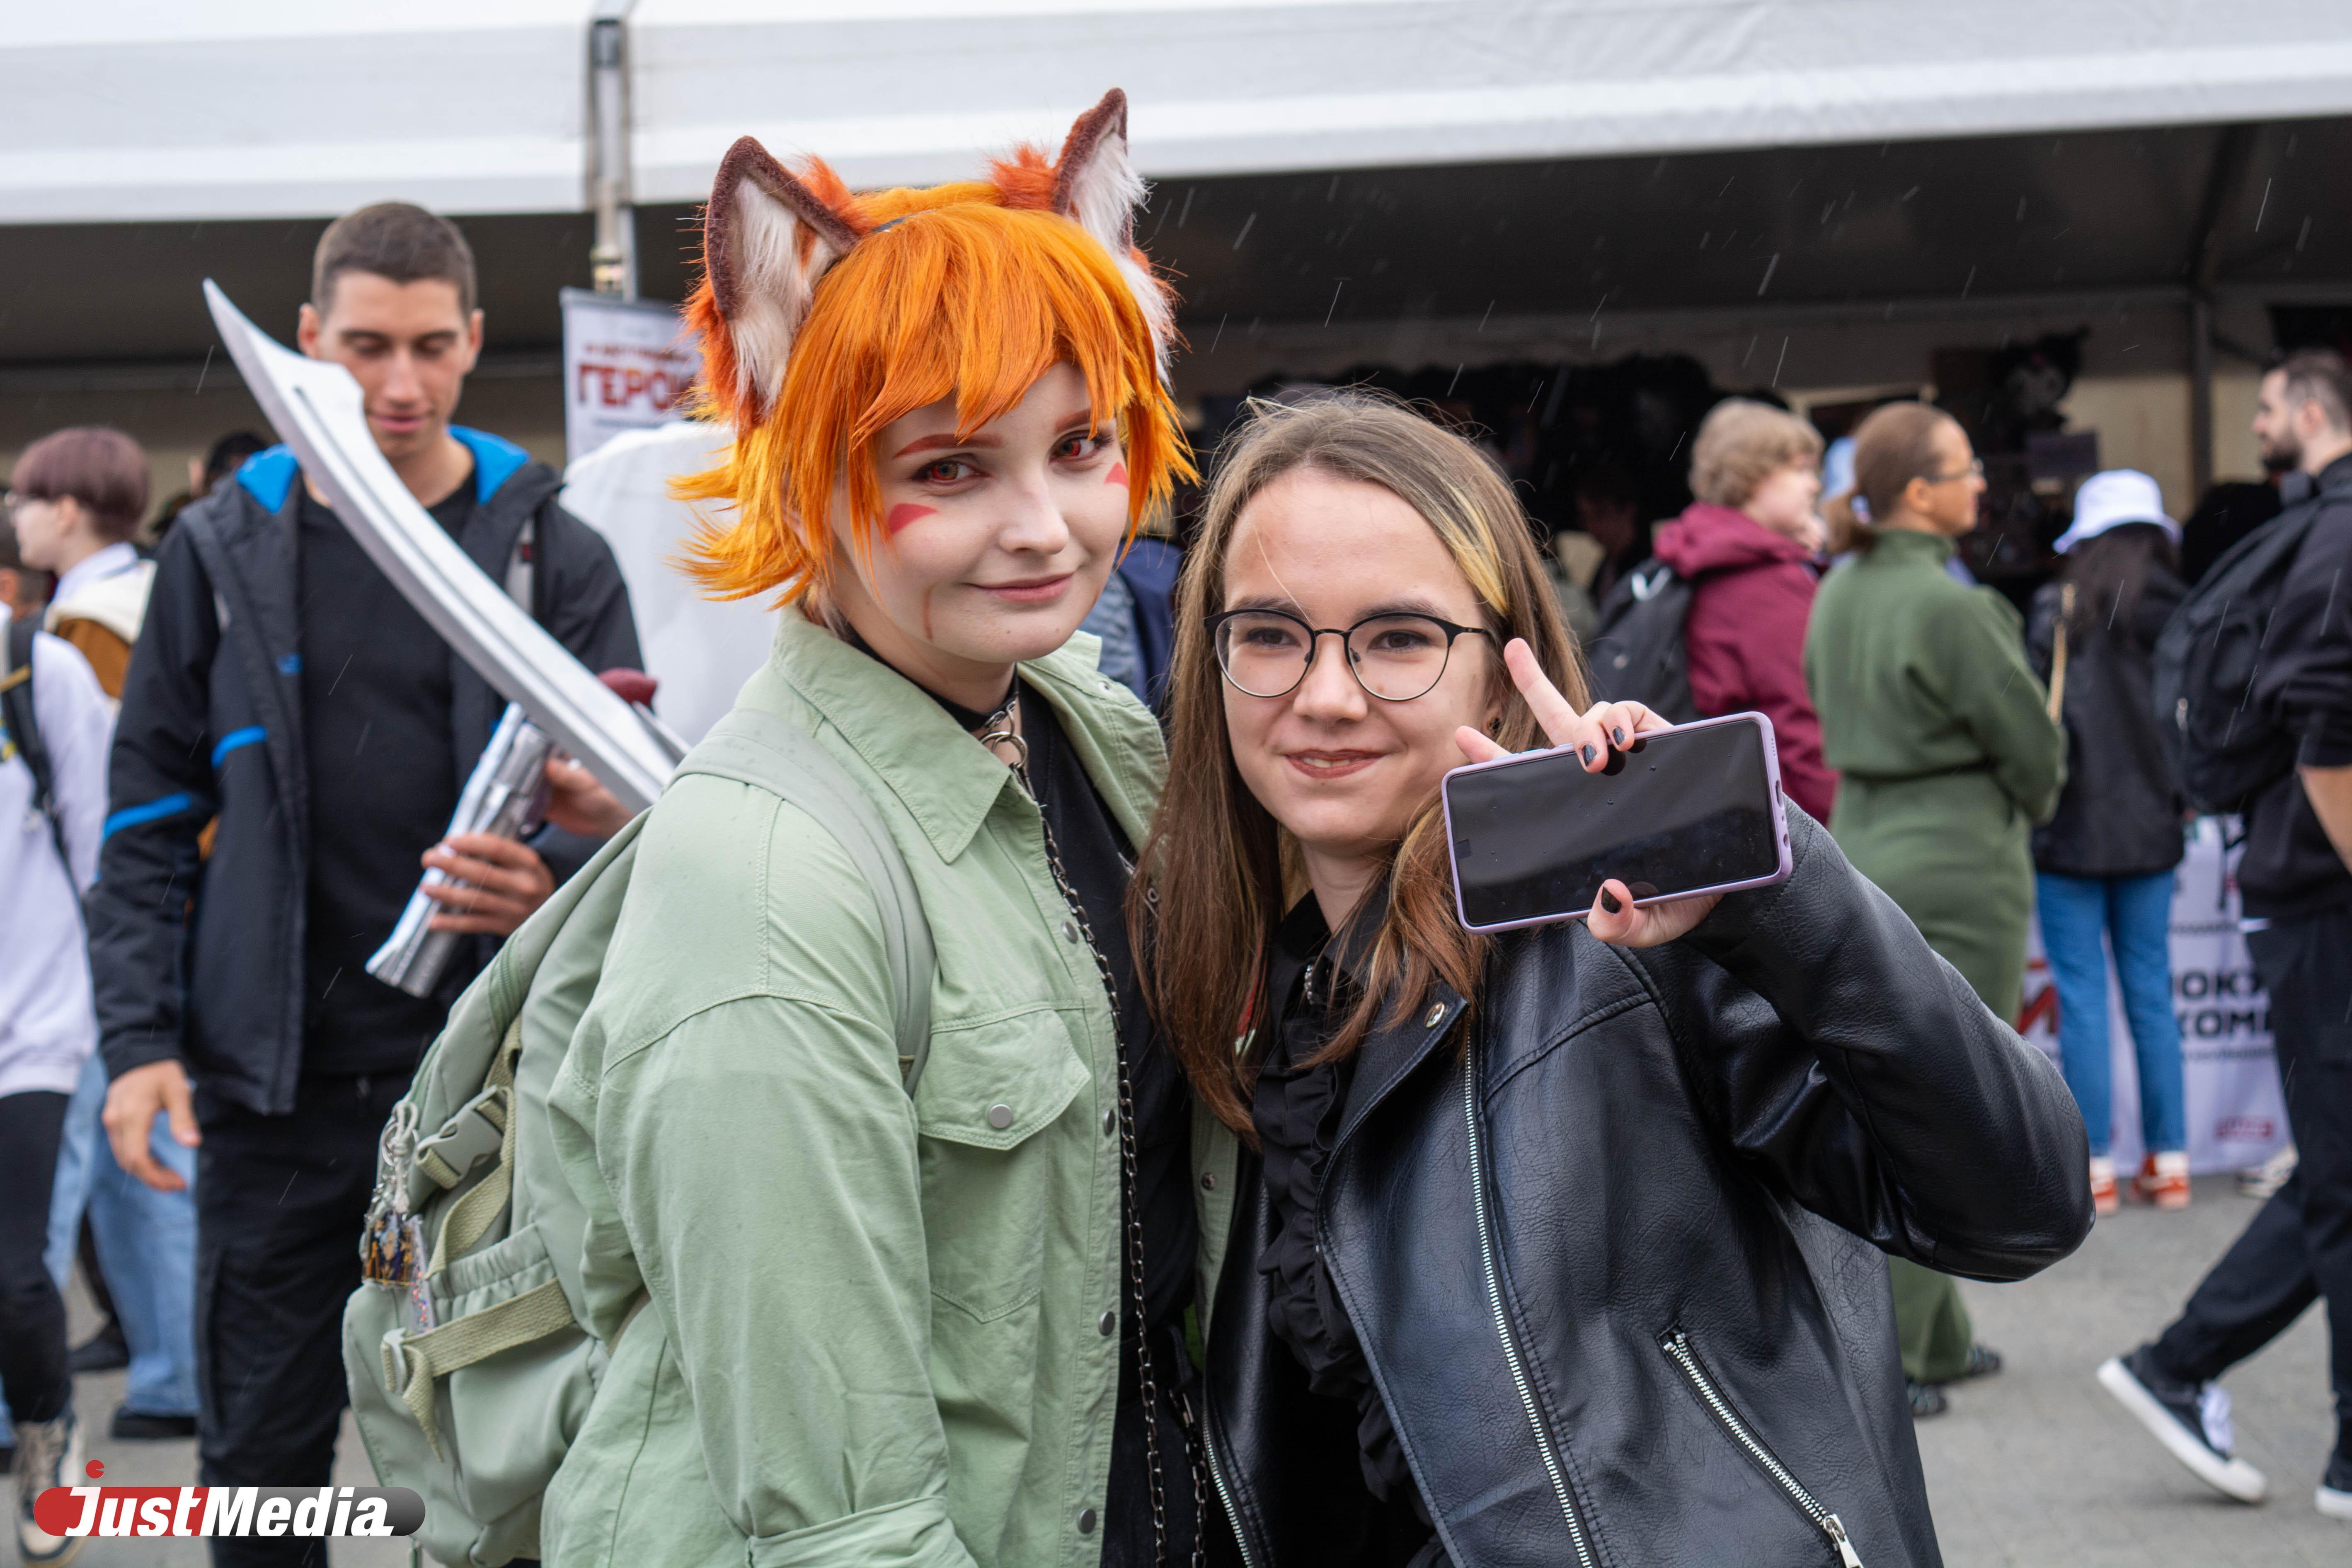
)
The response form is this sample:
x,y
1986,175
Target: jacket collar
x,y
1910,543
1710,538
1390,1054
94,568
2298,487
946,782
268,475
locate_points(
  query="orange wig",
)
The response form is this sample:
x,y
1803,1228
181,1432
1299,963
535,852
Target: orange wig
x,y
826,315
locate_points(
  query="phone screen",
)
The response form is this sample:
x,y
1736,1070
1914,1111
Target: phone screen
x,y
1695,808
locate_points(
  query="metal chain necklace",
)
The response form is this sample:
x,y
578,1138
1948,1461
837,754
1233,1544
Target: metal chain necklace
x,y
1003,730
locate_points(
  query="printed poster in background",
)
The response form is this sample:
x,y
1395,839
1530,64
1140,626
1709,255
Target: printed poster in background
x,y
2237,1112
627,364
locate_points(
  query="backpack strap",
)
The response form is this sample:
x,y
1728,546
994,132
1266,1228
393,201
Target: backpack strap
x,y
2058,654
769,751
22,718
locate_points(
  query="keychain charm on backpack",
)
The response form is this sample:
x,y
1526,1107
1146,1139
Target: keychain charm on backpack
x,y
392,1256
391,1248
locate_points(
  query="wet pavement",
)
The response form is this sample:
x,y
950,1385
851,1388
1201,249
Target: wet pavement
x,y
2038,1468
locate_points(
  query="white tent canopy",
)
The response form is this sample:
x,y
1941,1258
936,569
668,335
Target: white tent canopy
x,y
146,110
128,110
893,91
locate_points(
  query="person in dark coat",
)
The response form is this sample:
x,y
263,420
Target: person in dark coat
x,y
1749,547
285,691
2296,878
2103,863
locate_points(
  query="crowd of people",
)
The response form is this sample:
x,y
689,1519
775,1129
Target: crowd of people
x,y
1988,769
1210,1194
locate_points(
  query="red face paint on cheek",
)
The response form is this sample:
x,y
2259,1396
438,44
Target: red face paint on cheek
x,y
906,512
1118,476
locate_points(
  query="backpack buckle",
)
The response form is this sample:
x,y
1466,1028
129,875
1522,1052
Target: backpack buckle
x,y
474,1131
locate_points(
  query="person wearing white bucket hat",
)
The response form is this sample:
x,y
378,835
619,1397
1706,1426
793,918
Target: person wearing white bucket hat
x,y
2103,865
2116,498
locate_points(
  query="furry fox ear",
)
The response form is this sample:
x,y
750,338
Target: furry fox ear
x,y
1096,185
767,238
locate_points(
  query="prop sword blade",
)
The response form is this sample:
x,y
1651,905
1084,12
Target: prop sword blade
x,y
315,406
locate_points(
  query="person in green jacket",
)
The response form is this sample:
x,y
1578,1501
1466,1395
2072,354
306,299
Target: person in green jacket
x,y
1948,758
850,1325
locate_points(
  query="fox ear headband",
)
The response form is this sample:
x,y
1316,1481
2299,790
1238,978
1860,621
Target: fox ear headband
x,y
769,236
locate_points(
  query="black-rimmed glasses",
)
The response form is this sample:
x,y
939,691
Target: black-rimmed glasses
x,y
1395,658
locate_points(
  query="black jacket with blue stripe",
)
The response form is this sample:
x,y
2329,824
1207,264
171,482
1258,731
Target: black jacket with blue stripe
x,y
202,960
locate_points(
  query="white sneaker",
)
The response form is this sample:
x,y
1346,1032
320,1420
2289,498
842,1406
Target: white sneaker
x,y
2192,1423
2335,1498
49,1454
2264,1180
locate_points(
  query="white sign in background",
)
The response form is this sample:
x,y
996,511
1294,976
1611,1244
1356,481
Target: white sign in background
x,y
626,365
2237,1113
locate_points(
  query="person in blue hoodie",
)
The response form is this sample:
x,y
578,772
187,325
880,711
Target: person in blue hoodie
x,y
288,710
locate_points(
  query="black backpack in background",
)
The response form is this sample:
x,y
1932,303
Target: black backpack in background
x,y
2222,753
1639,655
23,723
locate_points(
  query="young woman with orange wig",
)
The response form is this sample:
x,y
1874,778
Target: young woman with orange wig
x,y
943,1328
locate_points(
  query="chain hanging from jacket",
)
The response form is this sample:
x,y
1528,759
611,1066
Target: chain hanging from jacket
x,y
1002,731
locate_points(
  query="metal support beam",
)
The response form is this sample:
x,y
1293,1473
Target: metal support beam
x,y
614,260
2200,396
2232,156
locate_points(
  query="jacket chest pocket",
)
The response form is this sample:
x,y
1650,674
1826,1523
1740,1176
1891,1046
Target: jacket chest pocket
x,y
992,1167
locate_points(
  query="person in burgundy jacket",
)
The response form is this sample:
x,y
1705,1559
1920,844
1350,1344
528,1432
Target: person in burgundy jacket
x,y
1749,547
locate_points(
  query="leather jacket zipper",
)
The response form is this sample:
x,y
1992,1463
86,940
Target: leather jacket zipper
x,y
1678,1349
1225,1494
1552,1468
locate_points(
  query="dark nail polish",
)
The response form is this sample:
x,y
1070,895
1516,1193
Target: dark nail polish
x,y
1608,901
1620,733
1588,753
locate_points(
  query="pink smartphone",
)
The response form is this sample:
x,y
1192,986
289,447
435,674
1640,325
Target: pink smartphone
x,y
1696,810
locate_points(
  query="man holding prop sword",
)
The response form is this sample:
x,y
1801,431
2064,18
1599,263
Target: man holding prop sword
x,y
287,689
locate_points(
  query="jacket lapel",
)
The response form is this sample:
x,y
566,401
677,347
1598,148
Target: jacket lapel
x,y
256,580
1390,1052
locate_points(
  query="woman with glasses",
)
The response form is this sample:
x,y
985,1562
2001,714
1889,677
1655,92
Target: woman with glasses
x,y
1947,755
1541,1250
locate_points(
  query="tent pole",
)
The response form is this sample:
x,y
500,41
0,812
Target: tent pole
x,y
2200,396
613,259
2233,153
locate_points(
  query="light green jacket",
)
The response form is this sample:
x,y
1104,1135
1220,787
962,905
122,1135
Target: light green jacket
x,y
873,1334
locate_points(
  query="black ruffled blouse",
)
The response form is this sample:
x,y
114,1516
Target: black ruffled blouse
x,y
1296,1109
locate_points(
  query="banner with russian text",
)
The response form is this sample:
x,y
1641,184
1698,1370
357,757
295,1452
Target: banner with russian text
x,y
627,365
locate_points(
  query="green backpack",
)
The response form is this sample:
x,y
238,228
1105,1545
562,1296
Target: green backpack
x,y
470,1370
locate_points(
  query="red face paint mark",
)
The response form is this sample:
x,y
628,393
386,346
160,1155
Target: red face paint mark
x,y
906,512
1118,476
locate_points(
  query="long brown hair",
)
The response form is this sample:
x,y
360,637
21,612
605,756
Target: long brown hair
x,y
2109,573
1895,446
1211,888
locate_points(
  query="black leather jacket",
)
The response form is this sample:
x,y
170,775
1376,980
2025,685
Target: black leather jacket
x,y
1613,1264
